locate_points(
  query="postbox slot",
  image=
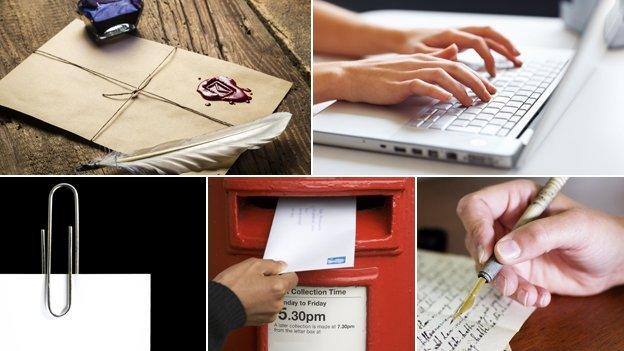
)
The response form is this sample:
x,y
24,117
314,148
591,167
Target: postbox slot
x,y
254,216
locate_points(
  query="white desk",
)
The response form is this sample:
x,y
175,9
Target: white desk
x,y
589,140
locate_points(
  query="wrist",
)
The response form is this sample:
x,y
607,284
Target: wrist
x,y
379,40
328,81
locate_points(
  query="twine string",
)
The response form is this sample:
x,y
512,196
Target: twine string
x,y
134,92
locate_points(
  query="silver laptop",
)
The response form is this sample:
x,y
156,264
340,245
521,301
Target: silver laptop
x,y
487,134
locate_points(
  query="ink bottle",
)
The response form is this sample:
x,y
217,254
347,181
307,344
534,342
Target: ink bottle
x,y
106,19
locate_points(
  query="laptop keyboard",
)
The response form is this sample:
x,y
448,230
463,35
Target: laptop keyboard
x,y
517,90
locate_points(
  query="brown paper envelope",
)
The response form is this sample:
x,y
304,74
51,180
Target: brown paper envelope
x,y
158,122
71,98
178,81
59,94
130,60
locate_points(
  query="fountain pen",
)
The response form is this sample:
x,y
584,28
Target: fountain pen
x,y
491,268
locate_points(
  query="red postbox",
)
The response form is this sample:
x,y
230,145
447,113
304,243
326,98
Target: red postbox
x,y
371,304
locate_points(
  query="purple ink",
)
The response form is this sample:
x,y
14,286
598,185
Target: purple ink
x,y
109,18
223,89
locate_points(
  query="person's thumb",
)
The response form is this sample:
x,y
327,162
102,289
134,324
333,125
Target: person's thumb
x,y
448,53
561,231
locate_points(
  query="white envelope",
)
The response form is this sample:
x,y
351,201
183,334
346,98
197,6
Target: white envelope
x,y
313,233
108,312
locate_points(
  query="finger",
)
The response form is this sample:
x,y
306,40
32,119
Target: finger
x,y
478,220
490,87
467,40
506,281
423,48
271,267
448,53
422,88
543,298
561,231
503,51
460,72
290,280
478,211
490,33
448,83
526,293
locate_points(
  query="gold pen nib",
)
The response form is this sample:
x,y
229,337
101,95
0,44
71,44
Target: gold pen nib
x,y
470,298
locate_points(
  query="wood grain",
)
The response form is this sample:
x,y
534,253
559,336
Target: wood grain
x,y
575,323
233,30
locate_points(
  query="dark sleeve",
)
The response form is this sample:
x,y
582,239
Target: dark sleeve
x,y
225,313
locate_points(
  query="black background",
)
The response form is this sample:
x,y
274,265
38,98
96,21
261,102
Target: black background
x,y
152,225
511,7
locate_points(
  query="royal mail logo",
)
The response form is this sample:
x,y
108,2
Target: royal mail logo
x,y
337,260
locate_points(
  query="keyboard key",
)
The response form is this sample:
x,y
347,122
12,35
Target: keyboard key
x,y
442,122
455,111
498,121
426,124
521,112
496,105
490,130
504,115
468,129
526,93
485,116
443,105
525,106
467,116
460,123
519,98
438,114
515,104
503,132
509,125
531,101
489,110
509,109
479,123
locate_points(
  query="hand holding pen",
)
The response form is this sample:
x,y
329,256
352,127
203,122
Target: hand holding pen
x,y
568,250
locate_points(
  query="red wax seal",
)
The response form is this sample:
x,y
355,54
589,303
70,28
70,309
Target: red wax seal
x,y
223,89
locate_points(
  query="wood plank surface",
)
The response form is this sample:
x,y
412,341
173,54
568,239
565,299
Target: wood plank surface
x,y
248,33
575,323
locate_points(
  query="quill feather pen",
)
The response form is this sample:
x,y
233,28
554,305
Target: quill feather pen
x,y
213,151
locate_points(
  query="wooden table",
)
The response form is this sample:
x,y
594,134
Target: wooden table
x,y
233,30
575,323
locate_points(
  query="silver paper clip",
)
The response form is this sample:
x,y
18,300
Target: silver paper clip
x,y
72,253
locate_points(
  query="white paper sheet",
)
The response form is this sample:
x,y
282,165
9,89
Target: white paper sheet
x,y
313,233
108,312
443,281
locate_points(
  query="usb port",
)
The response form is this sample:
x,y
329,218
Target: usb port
x,y
418,152
433,154
451,156
399,149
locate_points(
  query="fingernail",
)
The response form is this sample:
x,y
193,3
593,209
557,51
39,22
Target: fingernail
x,y
544,299
508,249
523,296
500,283
482,254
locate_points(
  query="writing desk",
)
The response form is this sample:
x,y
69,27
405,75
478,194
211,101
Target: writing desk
x,y
575,323
587,140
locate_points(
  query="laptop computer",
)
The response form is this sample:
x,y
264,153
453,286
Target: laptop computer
x,y
529,102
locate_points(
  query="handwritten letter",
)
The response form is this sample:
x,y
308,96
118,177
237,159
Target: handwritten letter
x,y
443,282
